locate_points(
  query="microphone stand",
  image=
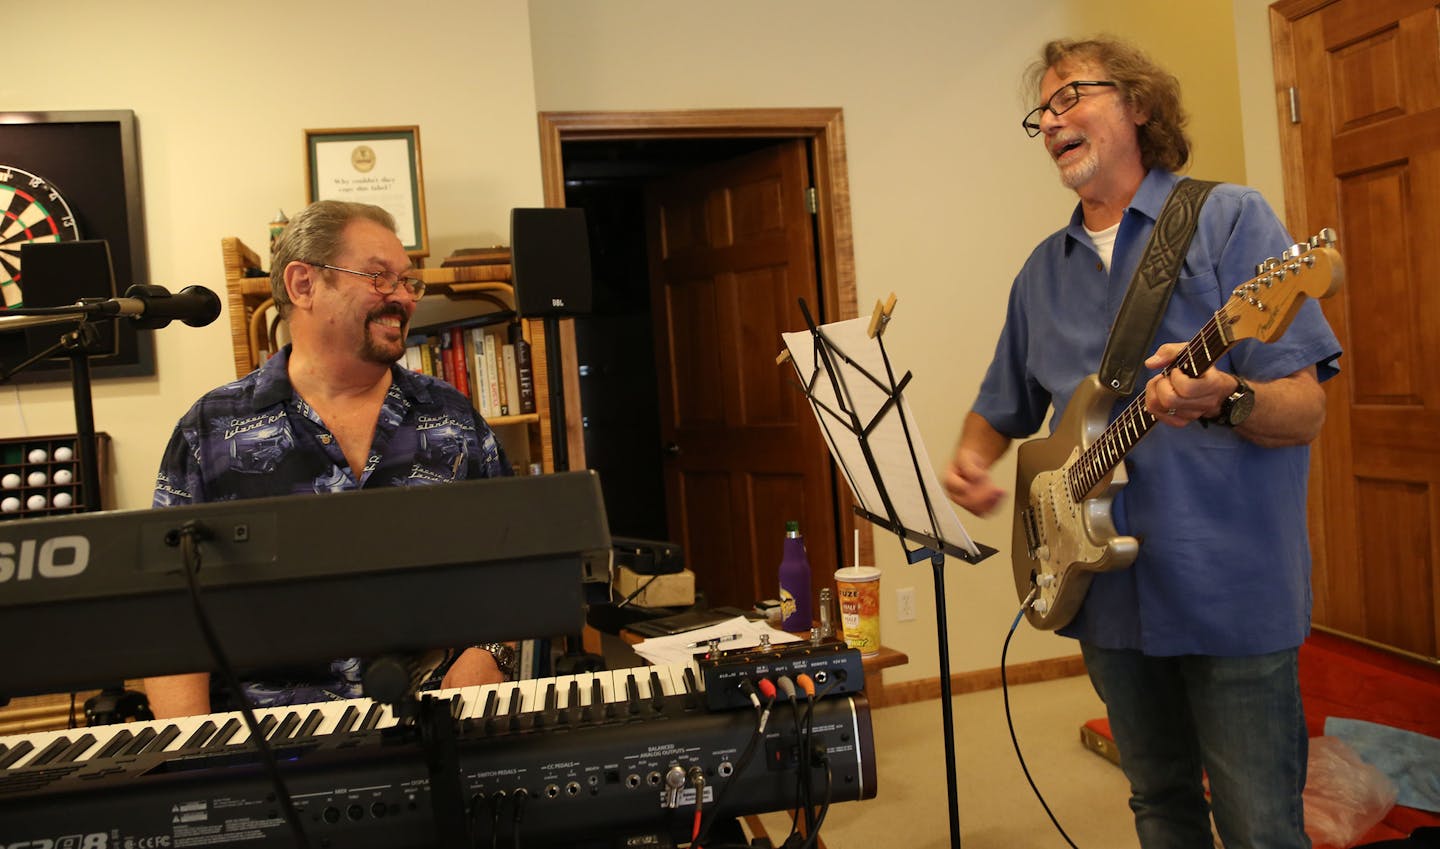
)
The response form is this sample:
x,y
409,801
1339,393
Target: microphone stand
x,y
76,343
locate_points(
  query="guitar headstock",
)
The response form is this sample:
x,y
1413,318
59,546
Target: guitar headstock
x,y
1263,306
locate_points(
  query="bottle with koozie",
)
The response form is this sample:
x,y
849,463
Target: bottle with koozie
x,y
795,582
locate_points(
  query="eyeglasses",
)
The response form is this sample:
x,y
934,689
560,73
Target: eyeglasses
x,y
1062,101
385,282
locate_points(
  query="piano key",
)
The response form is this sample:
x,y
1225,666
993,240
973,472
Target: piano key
x,y
71,754
285,729
227,733
16,751
141,740
167,735
198,735
49,753
312,722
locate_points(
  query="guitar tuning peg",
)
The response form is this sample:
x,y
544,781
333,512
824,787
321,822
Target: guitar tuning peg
x,y
1294,251
1326,237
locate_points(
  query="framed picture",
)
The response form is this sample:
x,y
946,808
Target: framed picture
x,y
379,165
73,175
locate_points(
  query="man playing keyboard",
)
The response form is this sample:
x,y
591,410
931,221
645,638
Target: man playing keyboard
x,y
330,412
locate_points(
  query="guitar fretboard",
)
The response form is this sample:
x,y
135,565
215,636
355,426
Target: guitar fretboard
x,y
1125,432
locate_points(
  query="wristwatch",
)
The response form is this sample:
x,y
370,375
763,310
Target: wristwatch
x,y
1237,406
504,657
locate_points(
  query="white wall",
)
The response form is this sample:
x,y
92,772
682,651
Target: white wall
x,y
222,95
948,196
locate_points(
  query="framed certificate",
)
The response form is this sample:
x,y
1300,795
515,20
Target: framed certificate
x,y
379,165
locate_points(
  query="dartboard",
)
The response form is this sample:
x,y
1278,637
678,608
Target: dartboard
x,y
34,211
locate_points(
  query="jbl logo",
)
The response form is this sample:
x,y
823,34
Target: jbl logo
x,y
557,302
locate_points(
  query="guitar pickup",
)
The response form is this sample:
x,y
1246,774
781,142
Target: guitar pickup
x,y
1032,531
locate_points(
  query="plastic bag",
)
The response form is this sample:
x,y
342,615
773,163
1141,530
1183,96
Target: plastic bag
x,y
1344,796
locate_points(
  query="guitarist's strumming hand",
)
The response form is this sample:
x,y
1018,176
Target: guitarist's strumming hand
x,y
967,480
1177,399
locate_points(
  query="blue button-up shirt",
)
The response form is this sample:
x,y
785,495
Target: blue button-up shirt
x,y
1224,563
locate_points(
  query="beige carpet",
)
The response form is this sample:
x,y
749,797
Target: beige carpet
x,y
997,808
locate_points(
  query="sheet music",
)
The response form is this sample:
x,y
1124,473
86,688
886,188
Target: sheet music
x,y
908,478
737,633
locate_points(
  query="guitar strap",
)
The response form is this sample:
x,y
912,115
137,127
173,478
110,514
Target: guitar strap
x,y
1133,333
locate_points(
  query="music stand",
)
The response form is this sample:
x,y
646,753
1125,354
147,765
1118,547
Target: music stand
x,y
850,384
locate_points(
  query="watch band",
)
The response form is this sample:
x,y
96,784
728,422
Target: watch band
x,y
1236,407
504,655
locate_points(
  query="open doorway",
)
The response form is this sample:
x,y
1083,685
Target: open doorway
x,y
624,381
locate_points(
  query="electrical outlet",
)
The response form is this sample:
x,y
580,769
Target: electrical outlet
x,y
905,604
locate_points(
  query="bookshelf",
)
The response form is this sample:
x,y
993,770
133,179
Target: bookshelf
x,y
453,295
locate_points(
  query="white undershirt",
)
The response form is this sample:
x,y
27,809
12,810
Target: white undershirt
x,y
1104,241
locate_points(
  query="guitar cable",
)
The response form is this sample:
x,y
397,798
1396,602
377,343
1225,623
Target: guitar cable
x,y
190,535
1010,721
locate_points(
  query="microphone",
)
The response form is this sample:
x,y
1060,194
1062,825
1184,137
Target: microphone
x,y
152,307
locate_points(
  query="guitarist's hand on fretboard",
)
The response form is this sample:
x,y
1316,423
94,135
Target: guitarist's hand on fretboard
x,y
1176,399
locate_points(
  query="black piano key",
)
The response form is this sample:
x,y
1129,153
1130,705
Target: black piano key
x,y
597,700
346,722
115,745
15,753
632,693
199,736
692,689
225,734
76,749
572,702
372,718
515,711
312,721
267,723
551,711
285,728
50,752
141,741
657,692
162,740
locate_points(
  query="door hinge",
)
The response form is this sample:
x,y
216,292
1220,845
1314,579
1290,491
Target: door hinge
x,y
812,200
1294,105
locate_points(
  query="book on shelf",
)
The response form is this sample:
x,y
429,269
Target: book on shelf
x,y
461,367
525,374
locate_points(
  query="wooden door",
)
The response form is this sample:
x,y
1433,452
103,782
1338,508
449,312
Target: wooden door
x,y
1364,157
731,253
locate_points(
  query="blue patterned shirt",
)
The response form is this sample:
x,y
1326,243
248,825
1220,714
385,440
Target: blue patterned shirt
x,y
1224,562
256,438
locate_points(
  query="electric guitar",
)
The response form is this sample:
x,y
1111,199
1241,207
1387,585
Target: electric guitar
x,y
1063,531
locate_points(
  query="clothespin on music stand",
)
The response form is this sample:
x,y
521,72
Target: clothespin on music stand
x,y
879,318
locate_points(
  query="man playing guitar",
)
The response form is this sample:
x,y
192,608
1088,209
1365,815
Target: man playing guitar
x,y
1193,647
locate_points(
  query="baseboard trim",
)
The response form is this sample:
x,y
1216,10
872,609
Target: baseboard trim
x,y
923,689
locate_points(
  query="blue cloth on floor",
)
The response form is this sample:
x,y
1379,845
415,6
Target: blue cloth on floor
x,y
1409,759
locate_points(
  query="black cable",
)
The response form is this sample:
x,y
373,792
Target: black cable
x,y
813,822
638,590
520,796
70,718
1010,723
762,716
189,534
813,838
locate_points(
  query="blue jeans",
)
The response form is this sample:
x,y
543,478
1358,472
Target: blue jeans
x,y
1237,719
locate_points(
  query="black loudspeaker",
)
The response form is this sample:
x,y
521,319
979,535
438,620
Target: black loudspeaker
x,y
550,262
58,274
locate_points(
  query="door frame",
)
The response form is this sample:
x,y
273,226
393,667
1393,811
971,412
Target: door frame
x,y
835,256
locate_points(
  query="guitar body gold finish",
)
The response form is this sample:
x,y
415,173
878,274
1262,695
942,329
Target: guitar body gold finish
x,y
1059,541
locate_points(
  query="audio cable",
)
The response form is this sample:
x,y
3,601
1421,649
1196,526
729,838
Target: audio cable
x,y
1010,722
755,690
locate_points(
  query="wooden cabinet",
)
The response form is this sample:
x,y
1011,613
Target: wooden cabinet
x,y
451,295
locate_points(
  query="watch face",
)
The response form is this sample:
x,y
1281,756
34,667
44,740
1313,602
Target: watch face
x,y
34,211
1241,403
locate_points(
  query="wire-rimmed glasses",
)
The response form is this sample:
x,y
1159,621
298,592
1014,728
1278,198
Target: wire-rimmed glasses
x,y
385,282
1062,101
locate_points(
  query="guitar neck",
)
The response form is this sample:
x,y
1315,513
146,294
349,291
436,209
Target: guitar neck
x,y
1098,459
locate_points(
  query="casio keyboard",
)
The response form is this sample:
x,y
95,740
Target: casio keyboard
x,y
546,762
101,597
